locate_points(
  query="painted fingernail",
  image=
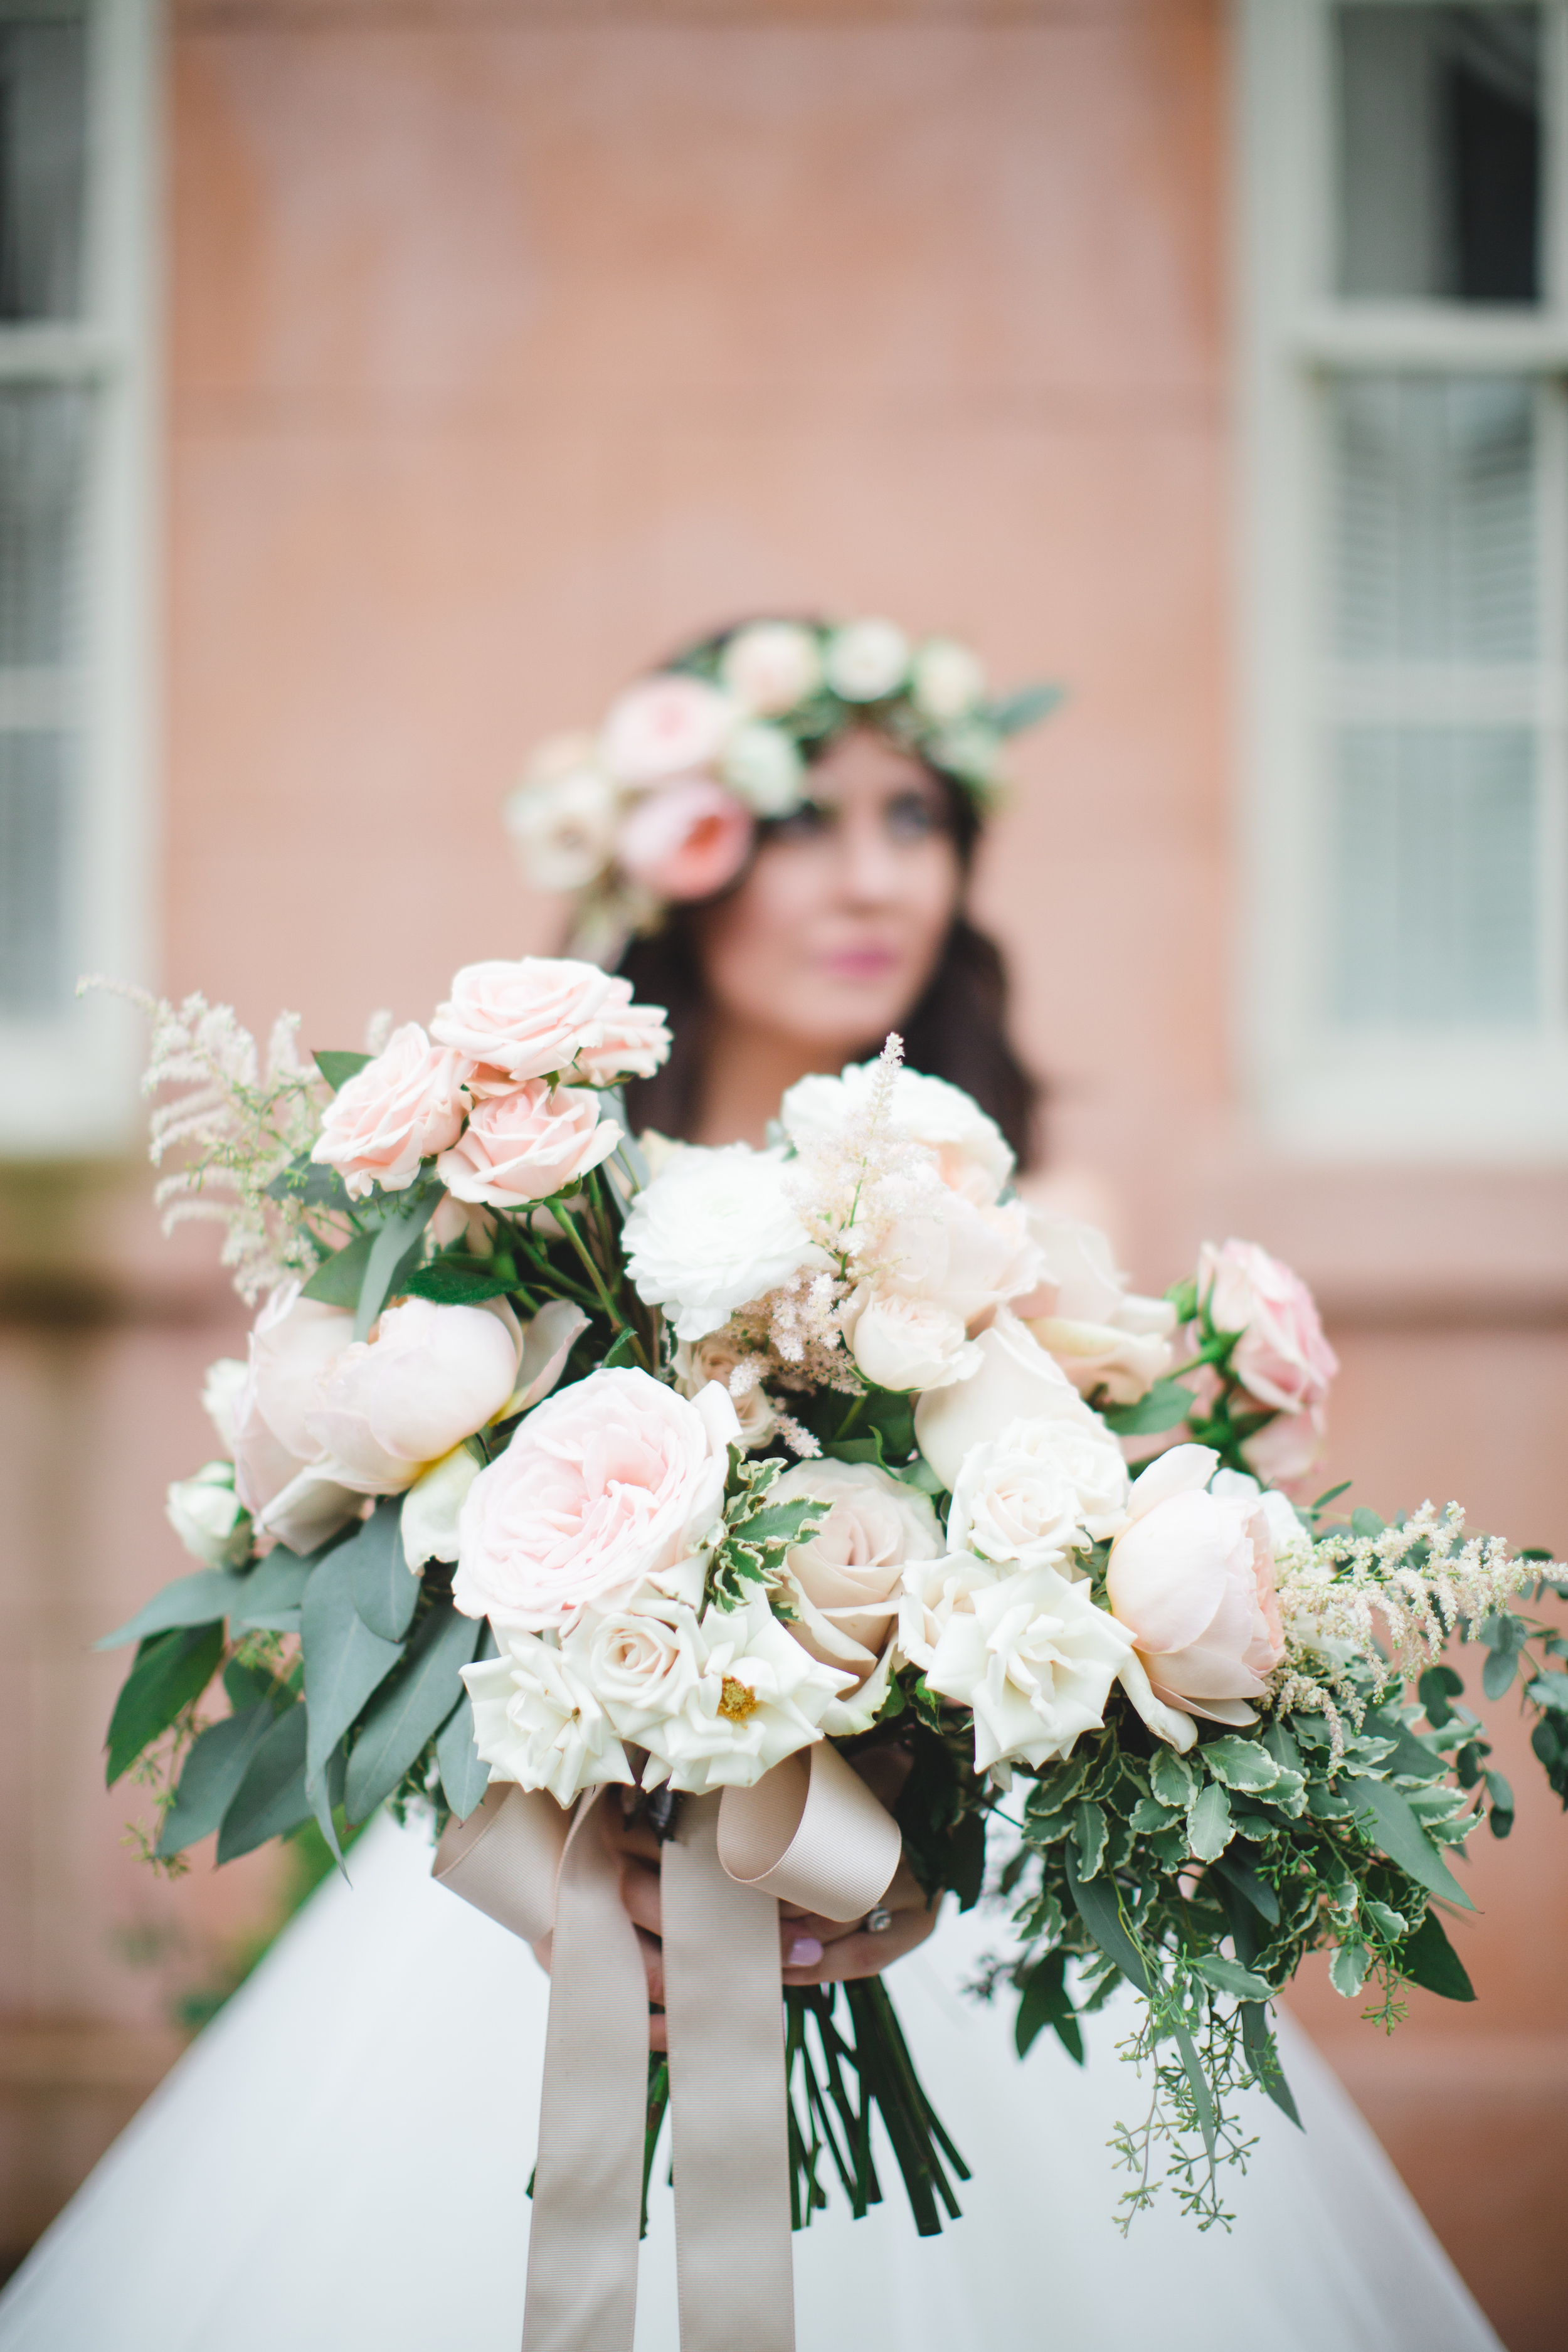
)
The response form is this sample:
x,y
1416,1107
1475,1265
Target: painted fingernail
x,y
805,1952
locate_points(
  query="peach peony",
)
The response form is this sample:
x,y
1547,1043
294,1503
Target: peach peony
x,y
525,1145
386,1408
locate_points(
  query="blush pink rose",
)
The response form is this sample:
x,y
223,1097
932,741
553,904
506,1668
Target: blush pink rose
x,y
526,1145
625,1040
524,1019
1191,1576
386,1408
687,841
402,1106
663,726
1282,1358
610,1481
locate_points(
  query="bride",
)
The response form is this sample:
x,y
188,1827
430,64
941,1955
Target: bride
x,y
342,2160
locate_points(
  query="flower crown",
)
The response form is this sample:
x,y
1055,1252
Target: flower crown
x,y
661,807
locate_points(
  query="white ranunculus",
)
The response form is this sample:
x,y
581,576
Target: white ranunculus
x,y
223,1398
771,666
714,1231
388,1407
762,764
1035,1659
1102,1335
949,681
846,1579
209,1517
972,1153
563,830
538,1720
759,1698
905,1344
1017,1382
868,660
934,1591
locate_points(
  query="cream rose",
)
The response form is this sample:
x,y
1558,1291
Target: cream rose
x,y
1102,1335
527,1145
532,1019
538,1720
933,1592
209,1517
771,666
387,1407
847,1577
961,1256
1191,1578
904,1344
1038,1489
720,1357
662,726
401,1109
564,829
608,1482
1017,1382
971,1153
1035,1659
866,660
713,1231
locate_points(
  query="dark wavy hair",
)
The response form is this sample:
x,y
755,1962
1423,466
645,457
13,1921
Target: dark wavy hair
x,y
958,1030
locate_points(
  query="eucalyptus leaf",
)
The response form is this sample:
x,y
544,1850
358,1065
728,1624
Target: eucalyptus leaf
x,y
385,1591
171,1670
1209,1824
1229,1976
1429,1958
338,1279
339,1068
196,1600
1549,1690
326,1794
312,1186
1163,1405
1198,2083
1045,2000
1498,1668
1098,1908
1250,1887
1010,713
270,1800
1386,1816
1263,2056
213,1772
465,1777
344,1661
453,1285
272,1594
393,1251
410,1708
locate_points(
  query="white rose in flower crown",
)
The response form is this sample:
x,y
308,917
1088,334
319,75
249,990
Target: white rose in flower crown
x,y
1017,1382
545,1015
1035,1659
866,660
387,1407
714,1231
971,1152
771,666
907,1344
608,1483
1036,1490
528,1144
538,1720
563,830
762,764
760,1696
209,1517
720,1358
949,681
666,726
1102,1335
846,1578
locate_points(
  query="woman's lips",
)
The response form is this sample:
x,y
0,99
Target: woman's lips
x,y
859,964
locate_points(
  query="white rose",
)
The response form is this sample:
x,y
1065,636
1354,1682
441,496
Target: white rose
x,y
720,1358
762,765
905,1344
1102,1335
949,681
961,1256
771,666
972,1153
866,660
714,1231
1038,1488
209,1517
565,831
538,1720
934,1591
760,1696
1017,1380
1035,1659
846,1578
644,1661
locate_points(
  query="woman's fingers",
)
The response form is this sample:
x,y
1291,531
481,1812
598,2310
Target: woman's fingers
x,y
855,1951
640,1895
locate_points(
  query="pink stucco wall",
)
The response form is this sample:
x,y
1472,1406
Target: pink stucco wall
x,y
508,344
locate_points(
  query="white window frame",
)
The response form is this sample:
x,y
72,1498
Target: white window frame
x,y
1319,1090
67,1083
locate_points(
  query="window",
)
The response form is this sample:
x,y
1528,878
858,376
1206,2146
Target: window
x,y
1405,620
76,113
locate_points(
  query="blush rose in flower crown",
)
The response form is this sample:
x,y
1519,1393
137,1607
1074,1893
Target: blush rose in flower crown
x,y
545,1475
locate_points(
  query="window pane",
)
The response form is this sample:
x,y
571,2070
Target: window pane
x,y
43,159
1435,499
1440,152
34,803
43,465
1435,853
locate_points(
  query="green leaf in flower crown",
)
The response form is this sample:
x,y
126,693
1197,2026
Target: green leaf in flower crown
x,y
465,1777
344,1661
1209,1825
1240,1763
171,1670
271,1799
214,1770
1047,2001
196,1600
338,1279
1429,1958
1011,713
385,1590
339,1068
1229,1976
1384,1816
409,1708
1165,1404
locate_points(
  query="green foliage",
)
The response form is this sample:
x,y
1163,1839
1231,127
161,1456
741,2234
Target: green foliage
x,y
271,1798
339,1280
464,1777
395,1250
170,1671
1047,2001
409,1708
1429,1958
339,1068
1164,1405
198,1599
461,1282
385,1591
214,1770
344,1661
758,1536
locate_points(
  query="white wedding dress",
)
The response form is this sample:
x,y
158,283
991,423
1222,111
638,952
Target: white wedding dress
x,y
340,2165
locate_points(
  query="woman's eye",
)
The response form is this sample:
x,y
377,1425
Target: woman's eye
x,y
912,817
807,822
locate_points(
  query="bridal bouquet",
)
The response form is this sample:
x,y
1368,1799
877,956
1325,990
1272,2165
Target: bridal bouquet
x,y
564,1462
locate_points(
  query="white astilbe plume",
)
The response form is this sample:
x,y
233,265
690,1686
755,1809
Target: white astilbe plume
x,y
1407,1587
239,1123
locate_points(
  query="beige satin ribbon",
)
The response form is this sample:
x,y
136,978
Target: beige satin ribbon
x,y
809,1831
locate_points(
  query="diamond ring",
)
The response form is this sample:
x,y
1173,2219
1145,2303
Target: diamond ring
x,y
879,1921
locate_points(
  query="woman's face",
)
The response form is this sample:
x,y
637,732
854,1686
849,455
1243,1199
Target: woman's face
x,y
835,930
